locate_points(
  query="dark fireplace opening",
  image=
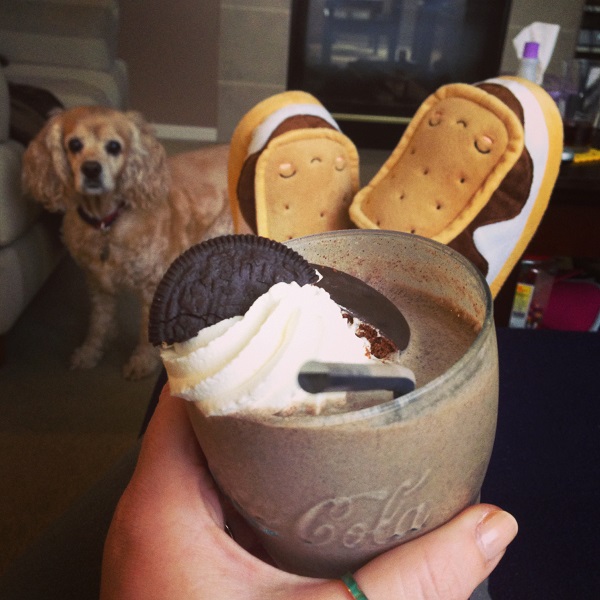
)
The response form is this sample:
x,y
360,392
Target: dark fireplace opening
x,y
373,62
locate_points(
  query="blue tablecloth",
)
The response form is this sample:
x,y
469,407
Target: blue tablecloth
x,y
545,467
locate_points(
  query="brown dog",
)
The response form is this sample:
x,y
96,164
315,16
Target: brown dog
x,y
128,211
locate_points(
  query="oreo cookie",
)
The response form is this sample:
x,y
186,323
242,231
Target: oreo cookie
x,y
219,279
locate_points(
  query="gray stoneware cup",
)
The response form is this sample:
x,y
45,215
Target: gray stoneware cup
x,y
328,493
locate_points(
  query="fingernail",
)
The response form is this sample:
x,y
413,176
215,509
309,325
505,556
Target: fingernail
x,y
495,531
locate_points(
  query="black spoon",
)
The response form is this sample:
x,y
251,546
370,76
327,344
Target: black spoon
x,y
365,303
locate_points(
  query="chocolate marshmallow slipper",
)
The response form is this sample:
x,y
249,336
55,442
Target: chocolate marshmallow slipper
x,y
474,169
291,171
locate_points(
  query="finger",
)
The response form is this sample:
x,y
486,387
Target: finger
x,y
171,461
169,438
448,563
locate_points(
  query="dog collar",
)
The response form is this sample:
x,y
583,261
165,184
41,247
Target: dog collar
x,y
104,223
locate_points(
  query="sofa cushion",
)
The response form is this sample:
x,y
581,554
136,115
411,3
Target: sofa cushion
x,y
75,87
16,213
25,265
60,33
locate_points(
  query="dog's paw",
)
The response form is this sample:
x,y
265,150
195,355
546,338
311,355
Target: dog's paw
x,y
143,362
86,357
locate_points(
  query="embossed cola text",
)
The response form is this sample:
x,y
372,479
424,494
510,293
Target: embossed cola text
x,y
370,518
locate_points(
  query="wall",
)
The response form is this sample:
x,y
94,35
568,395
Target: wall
x,y
253,56
171,49
205,63
254,48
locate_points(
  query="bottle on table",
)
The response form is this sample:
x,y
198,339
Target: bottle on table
x,y
528,67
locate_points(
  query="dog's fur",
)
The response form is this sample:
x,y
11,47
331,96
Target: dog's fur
x,y
95,164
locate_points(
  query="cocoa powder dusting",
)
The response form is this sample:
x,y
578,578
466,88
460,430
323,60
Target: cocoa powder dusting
x,y
381,347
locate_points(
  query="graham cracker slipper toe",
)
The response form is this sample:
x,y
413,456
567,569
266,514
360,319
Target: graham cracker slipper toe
x,y
291,171
474,169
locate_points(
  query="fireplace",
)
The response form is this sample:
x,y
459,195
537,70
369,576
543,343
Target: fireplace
x,y
373,62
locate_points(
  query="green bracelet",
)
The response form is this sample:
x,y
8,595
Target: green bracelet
x,y
349,581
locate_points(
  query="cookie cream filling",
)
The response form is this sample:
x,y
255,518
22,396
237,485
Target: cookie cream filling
x,y
251,362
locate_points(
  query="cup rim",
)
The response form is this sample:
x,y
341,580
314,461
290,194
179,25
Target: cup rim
x,y
413,397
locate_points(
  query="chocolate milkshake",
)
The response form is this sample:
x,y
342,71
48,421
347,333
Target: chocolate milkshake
x,y
327,492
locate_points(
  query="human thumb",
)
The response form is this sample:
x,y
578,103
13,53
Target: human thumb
x,y
445,564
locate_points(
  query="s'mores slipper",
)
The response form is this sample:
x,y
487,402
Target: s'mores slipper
x,y
474,169
291,171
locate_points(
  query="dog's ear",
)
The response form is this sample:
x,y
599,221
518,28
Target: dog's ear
x,y
145,178
45,174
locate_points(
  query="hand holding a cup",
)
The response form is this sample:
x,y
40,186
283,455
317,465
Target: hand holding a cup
x,y
168,539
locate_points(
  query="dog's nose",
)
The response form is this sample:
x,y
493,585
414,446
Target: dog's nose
x,y
91,169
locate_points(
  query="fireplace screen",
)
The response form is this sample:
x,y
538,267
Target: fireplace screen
x,y
372,62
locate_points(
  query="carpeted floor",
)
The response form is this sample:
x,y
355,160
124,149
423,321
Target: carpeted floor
x,y
61,430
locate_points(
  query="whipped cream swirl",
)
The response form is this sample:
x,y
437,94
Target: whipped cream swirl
x,y
251,363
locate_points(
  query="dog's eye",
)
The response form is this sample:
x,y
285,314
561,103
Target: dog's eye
x,y
113,147
75,145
